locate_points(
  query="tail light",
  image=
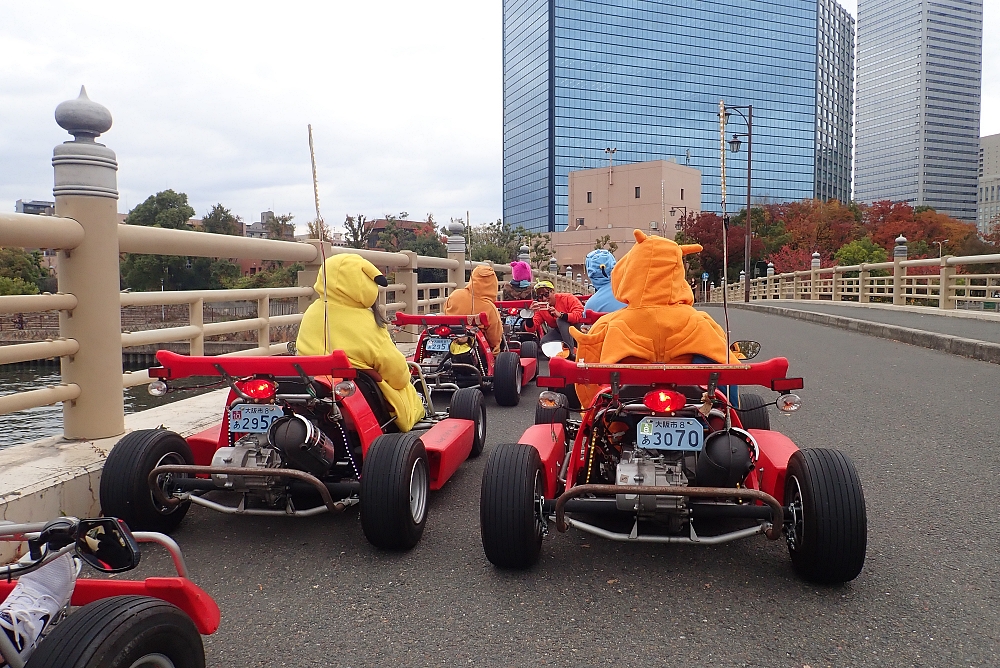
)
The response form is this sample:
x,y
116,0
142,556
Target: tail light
x,y
258,389
664,401
442,330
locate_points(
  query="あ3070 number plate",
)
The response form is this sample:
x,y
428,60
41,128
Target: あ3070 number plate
x,y
438,345
253,419
671,434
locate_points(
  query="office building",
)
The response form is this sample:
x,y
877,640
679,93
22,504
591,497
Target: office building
x,y
988,200
919,71
645,78
35,207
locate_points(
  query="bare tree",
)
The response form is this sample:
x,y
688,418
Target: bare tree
x,y
318,229
357,230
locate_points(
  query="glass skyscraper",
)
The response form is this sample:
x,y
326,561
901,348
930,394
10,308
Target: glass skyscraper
x,y
919,83
645,77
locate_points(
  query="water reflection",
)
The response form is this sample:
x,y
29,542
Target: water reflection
x,y
35,423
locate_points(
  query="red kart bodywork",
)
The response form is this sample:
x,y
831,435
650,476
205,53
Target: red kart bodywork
x,y
775,448
529,367
448,443
183,593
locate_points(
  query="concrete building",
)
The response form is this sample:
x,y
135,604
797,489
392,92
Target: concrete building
x,y
919,76
988,199
650,196
646,78
35,207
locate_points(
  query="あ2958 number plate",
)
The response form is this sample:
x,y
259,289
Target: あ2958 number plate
x,y
253,419
671,434
438,345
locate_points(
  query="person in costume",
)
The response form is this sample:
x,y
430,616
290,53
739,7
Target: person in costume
x,y
599,264
479,296
659,323
519,287
558,311
347,317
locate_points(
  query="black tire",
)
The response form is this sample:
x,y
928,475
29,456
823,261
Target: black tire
x,y
529,349
753,412
468,404
117,632
507,379
828,531
508,519
125,491
557,415
395,486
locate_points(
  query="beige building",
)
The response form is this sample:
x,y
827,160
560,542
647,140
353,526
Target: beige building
x,y
649,196
988,200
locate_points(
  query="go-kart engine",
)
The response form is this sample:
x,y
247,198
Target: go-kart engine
x,y
648,469
249,453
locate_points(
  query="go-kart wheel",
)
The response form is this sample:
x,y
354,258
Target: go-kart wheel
x,y
395,484
827,532
125,491
557,415
122,632
468,404
529,350
507,379
509,519
753,412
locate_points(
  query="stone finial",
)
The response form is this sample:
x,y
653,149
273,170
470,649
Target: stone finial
x,y
770,269
553,265
456,227
899,250
83,118
524,254
743,275
900,240
815,260
456,238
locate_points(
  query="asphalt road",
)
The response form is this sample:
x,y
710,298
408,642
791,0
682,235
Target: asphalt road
x,y
920,426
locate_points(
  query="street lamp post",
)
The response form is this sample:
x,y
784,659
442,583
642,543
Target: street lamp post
x,y
611,156
673,212
940,246
734,146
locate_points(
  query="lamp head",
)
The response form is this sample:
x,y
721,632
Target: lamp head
x,y
734,144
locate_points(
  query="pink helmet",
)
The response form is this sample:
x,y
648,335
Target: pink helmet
x,y
521,271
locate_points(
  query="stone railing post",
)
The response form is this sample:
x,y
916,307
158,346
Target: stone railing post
x,y
456,251
836,284
898,271
864,296
307,277
264,331
196,317
407,276
796,284
944,290
86,190
814,276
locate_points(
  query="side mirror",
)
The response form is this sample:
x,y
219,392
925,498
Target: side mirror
x,y
107,544
527,313
552,348
747,349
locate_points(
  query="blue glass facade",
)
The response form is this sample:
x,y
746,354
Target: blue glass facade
x,y
645,77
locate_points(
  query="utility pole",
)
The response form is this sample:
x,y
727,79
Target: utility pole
x,y
611,158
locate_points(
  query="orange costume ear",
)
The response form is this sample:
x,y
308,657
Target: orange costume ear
x,y
639,236
687,249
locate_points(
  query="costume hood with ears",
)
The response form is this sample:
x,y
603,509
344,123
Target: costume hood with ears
x,y
479,296
520,271
659,323
599,264
349,280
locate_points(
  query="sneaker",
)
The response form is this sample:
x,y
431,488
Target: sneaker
x,y
35,601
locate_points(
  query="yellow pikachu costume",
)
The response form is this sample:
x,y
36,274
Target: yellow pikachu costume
x,y
347,290
658,323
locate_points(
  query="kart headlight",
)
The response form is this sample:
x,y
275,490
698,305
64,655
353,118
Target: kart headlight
x,y
157,388
344,389
789,403
548,399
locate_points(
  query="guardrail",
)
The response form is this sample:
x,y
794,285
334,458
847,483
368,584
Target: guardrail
x,y
902,282
89,240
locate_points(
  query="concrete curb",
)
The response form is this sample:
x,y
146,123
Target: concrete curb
x,y
972,348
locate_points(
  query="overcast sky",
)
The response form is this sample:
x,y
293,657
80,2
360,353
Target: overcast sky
x,y
212,99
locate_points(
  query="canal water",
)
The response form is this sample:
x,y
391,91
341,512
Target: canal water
x,y
36,423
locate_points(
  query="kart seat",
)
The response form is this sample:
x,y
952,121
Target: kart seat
x,y
369,389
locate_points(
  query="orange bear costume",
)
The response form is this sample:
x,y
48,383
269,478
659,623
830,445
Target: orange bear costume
x,y
659,322
479,297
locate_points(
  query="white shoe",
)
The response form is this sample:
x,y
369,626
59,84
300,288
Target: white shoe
x,y
35,601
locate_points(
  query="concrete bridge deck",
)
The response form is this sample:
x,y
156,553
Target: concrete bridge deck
x,y
919,424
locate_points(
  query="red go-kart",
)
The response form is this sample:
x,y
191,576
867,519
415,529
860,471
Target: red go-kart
x,y
299,436
119,623
661,456
452,352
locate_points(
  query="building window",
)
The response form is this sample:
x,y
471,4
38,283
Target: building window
x,y
682,194
637,192
590,197
579,221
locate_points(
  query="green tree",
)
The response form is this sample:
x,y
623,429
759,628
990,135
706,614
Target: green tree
x,y
357,230
606,242
164,209
860,251
16,286
273,277
493,241
221,220
540,246
280,227
20,264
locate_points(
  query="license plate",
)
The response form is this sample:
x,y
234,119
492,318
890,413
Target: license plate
x,y
438,345
686,434
512,320
253,419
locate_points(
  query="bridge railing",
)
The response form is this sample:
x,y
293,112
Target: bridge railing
x,y
89,241
947,282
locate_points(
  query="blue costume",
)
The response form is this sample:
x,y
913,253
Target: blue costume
x,y
599,265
